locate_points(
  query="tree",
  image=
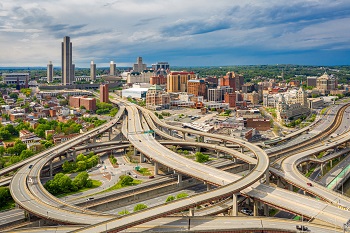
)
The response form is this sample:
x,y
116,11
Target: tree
x,y
81,165
13,96
81,179
126,181
123,212
66,166
181,195
170,198
139,207
4,195
2,150
201,158
81,157
26,154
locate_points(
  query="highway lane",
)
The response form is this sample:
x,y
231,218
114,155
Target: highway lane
x,y
35,199
175,162
217,224
292,174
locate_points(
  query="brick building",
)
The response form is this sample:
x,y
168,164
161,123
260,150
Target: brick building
x,y
230,98
87,102
228,80
177,81
258,123
197,87
159,80
104,97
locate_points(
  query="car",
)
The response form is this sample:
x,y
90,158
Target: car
x,y
247,211
151,177
135,176
301,228
309,184
30,166
90,198
140,141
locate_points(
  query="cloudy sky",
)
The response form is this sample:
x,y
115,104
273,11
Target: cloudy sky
x,y
182,32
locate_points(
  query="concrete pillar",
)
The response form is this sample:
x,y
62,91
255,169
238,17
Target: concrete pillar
x,y
74,153
290,187
155,168
179,179
266,210
94,140
191,212
198,149
217,154
224,143
234,160
322,169
51,169
242,149
279,183
331,163
142,158
135,151
109,134
184,135
255,208
267,177
247,201
234,211
208,186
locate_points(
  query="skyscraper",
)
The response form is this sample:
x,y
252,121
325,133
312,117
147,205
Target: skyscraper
x,y
49,72
104,98
67,67
92,71
112,68
139,66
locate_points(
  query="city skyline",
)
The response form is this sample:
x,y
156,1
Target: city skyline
x,y
216,33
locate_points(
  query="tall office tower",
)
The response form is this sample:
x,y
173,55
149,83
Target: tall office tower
x,y
177,81
139,66
72,73
92,71
112,69
49,72
67,61
228,80
104,97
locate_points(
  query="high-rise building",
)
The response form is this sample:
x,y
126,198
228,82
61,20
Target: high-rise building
x,y
49,72
67,66
177,81
197,87
112,68
228,80
104,97
139,66
92,71
161,68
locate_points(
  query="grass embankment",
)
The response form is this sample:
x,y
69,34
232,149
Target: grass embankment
x,y
144,171
119,186
95,184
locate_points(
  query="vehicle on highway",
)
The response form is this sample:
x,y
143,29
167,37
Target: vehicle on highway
x,y
247,211
135,176
301,228
30,166
90,198
151,177
309,184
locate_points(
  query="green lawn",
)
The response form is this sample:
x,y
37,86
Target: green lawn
x,y
95,184
118,186
144,171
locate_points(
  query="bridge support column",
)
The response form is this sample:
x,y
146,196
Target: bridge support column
x,y
224,143
198,149
51,169
217,154
191,212
266,210
201,139
135,151
184,136
234,160
179,179
142,158
234,211
242,149
331,163
208,186
322,169
279,183
155,168
267,177
255,209
290,187
94,140
109,134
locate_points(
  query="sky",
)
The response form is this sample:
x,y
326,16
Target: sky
x,y
181,32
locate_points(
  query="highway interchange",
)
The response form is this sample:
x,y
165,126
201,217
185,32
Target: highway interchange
x,y
232,184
